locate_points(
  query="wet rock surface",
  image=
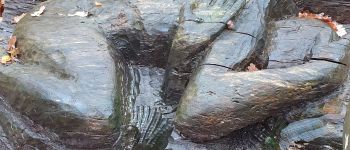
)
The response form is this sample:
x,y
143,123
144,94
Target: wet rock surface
x,y
113,79
217,101
292,42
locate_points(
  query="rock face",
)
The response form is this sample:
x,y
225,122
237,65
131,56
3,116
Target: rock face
x,y
218,101
201,22
101,81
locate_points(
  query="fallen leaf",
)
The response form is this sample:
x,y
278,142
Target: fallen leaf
x,y
39,12
80,14
230,25
5,59
252,68
338,28
18,18
12,43
98,4
14,52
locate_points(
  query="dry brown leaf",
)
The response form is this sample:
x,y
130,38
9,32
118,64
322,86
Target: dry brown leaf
x,y
12,43
39,12
252,68
18,18
98,4
14,52
5,59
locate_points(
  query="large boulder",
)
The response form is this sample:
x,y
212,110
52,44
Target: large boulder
x,y
218,101
69,75
337,9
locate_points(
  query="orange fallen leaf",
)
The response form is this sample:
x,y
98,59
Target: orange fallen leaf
x,y
11,43
5,59
252,68
18,18
14,52
98,4
39,12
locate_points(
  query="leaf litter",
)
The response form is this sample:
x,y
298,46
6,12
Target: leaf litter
x,y
252,68
12,52
335,26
